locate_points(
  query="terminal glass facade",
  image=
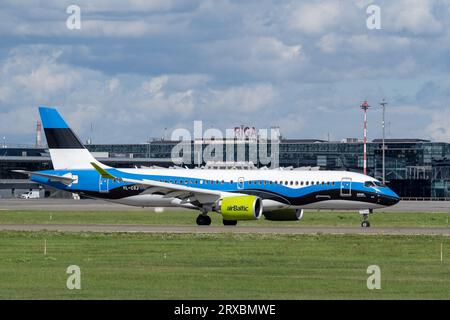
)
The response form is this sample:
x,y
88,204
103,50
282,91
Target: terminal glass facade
x,y
413,167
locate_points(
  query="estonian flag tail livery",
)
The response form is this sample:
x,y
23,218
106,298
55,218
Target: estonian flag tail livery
x,y
66,149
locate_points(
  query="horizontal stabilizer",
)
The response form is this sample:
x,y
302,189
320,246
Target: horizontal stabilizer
x,y
51,177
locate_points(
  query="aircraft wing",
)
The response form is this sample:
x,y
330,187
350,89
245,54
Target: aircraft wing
x,y
183,192
53,177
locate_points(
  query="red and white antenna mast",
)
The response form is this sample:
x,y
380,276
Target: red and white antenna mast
x,y
364,107
38,134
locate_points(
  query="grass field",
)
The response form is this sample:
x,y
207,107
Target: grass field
x,y
221,266
311,218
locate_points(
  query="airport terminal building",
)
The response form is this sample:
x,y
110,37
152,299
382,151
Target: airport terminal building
x,y
414,168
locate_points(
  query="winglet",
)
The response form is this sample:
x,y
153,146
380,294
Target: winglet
x,y
103,172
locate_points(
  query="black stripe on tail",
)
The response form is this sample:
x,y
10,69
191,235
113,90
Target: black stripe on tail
x,y
62,138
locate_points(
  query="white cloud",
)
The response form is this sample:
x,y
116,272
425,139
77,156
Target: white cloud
x,y
133,5
272,48
259,58
135,105
37,76
154,85
130,19
363,3
315,18
439,128
244,99
362,43
101,28
375,44
329,43
113,84
99,6
415,16
5,94
47,78
141,65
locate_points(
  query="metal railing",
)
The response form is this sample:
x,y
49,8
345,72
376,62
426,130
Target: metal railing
x,y
425,199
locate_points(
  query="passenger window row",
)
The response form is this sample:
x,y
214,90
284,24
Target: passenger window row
x,y
190,181
291,183
257,182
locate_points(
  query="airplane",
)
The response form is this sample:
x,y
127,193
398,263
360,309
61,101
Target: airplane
x,y
278,195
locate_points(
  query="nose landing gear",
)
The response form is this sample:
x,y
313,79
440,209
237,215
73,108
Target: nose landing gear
x,y
365,213
365,224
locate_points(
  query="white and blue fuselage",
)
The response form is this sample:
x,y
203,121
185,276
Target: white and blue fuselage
x,y
77,171
278,188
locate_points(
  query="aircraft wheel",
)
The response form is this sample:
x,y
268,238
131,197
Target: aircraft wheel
x,y
229,222
203,220
365,224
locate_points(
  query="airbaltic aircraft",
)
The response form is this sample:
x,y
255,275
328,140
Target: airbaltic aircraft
x,y
235,194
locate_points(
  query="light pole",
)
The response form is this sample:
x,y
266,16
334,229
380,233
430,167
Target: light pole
x,y
383,104
364,107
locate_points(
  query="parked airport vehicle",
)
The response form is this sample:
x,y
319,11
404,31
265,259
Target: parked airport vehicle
x,y
30,195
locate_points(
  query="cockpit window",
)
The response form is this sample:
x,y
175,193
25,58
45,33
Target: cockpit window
x,y
370,184
379,184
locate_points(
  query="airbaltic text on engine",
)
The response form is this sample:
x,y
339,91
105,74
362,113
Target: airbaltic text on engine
x,y
240,208
236,208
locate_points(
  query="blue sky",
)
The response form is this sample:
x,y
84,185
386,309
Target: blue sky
x,y
137,67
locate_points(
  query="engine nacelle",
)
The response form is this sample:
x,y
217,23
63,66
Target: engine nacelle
x,y
240,208
284,215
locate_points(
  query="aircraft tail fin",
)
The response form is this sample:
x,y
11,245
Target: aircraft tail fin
x,y
66,149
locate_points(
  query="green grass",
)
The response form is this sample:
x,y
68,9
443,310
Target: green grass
x,y
172,217
222,266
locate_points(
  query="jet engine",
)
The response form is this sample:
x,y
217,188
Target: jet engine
x,y
240,208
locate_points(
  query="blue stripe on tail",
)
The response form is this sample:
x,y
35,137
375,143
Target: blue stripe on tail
x,y
51,118
57,132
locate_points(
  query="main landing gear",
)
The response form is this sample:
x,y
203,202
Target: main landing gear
x,y
365,213
229,222
203,220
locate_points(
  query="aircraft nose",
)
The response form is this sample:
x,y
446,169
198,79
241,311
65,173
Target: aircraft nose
x,y
390,201
389,198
